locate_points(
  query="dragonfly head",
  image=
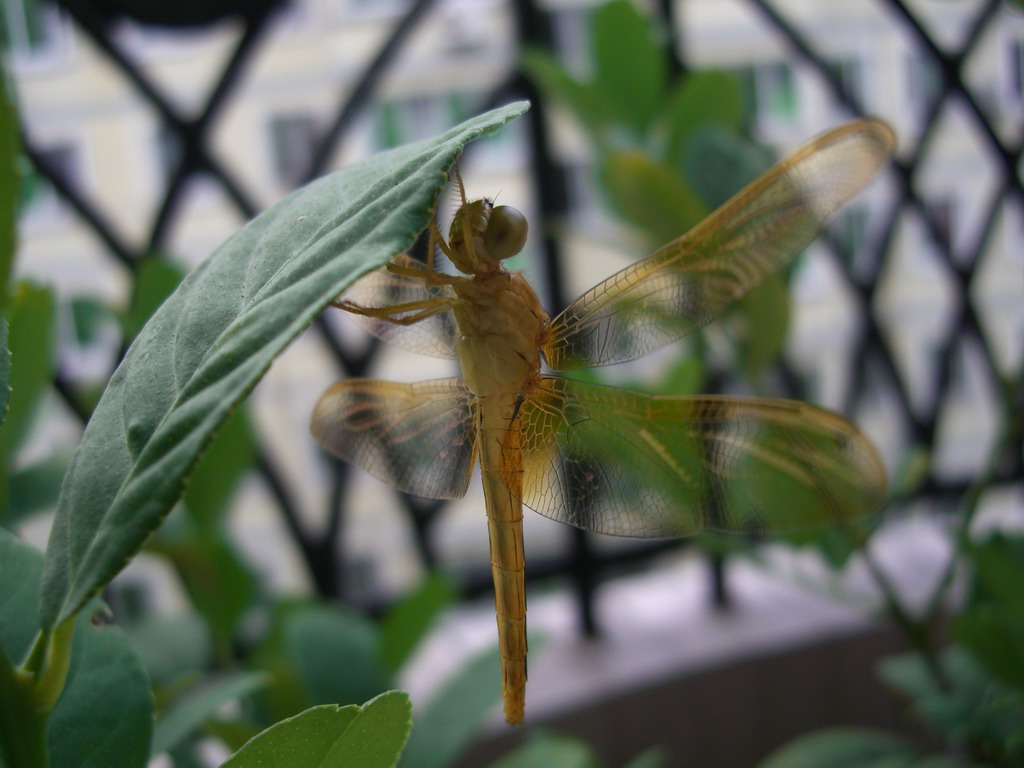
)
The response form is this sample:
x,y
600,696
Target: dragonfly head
x,y
483,235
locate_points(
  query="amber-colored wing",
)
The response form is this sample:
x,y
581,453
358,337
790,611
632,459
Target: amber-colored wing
x,y
419,437
434,336
688,282
619,462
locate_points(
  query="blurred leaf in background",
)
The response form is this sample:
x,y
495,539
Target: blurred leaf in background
x,y
32,346
10,185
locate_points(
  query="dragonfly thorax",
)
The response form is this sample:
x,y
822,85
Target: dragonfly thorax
x,y
482,235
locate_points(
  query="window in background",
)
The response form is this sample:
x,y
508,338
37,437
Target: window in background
x,y
924,82
769,92
293,140
849,70
168,153
413,118
39,198
31,30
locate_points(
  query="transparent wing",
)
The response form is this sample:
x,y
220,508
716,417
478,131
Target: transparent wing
x,y
618,462
419,438
434,336
688,282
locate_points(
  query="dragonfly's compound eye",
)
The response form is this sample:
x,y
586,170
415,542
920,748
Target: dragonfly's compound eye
x,y
506,232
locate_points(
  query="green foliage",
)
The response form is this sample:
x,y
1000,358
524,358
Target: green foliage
x,y
968,695
667,152
967,707
328,736
207,345
104,716
992,627
854,748
629,64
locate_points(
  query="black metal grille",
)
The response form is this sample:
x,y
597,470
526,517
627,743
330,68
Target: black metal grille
x,y
582,562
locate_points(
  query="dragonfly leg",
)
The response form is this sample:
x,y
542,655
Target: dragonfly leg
x,y
421,310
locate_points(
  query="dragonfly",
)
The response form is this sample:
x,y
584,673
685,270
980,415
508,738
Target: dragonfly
x,y
600,458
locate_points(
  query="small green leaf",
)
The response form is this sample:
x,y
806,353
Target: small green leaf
x,y
763,315
212,340
221,468
35,488
104,717
335,653
10,184
31,340
719,163
655,757
842,748
551,751
328,736
590,105
650,196
992,626
410,620
188,713
172,647
219,583
155,280
708,99
32,358
88,316
447,725
629,63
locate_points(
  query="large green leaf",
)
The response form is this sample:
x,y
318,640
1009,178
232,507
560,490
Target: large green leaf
x,y
211,341
10,182
409,621
630,65
328,736
105,716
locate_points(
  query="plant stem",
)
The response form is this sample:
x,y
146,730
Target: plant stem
x,y
22,725
29,694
